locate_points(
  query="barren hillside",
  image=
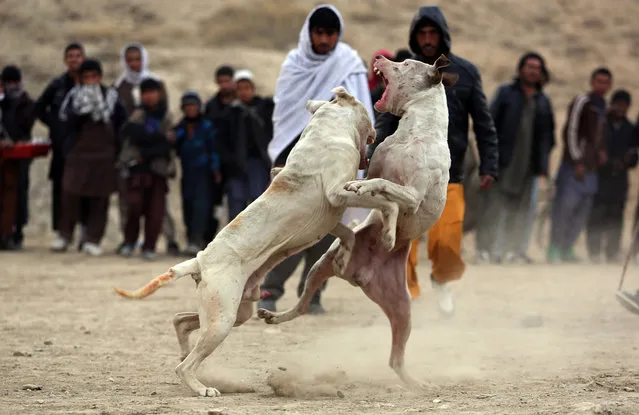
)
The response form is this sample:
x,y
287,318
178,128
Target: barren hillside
x,y
188,39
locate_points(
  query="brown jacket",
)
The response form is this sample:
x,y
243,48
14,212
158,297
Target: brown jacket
x,y
126,93
583,133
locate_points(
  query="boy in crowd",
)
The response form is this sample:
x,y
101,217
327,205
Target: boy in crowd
x,y
92,115
146,160
606,219
195,142
16,121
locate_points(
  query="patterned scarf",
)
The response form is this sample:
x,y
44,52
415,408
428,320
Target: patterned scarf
x,y
90,100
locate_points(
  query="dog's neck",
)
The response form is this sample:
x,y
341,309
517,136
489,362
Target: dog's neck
x,y
422,114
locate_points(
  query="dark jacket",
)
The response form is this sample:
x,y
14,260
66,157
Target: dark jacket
x,y
17,117
46,109
215,109
506,110
583,131
245,132
197,148
621,142
146,148
464,99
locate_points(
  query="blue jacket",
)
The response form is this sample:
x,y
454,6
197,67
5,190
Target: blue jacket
x,y
198,152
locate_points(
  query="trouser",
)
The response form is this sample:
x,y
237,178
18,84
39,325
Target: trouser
x,y
96,216
411,269
168,224
56,203
146,198
444,243
9,184
532,213
197,208
571,207
242,191
275,280
22,215
604,228
488,219
513,221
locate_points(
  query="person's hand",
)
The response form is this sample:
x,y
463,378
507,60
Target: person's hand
x,y
218,177
6,143
486,182
580,172
603,157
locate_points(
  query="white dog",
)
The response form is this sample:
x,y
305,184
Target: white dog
x,y
410,167
304,202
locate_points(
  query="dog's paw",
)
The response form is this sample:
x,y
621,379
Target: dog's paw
x,y
269,317
210,392
388,240
354,186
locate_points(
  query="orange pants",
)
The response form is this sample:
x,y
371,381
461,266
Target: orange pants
x,y
444,243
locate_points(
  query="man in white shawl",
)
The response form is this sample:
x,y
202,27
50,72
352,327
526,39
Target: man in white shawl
x,y
134,60
320,63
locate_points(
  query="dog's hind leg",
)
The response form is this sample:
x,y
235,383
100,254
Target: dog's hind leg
x,y
387,287
218,313
184,324
320,272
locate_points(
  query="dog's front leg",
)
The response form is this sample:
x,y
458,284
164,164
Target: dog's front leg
x,y
340,197
405,196
346,244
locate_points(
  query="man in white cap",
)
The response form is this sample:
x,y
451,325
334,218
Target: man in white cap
x,y
244,136
320,63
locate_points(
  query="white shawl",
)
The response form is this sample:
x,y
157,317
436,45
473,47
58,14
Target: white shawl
x,y
132,77
306,75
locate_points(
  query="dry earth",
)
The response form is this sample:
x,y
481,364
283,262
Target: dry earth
x,y
525,340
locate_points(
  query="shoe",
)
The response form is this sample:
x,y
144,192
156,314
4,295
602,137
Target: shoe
x,y
482,257
91,249
553,256
316,309
445,300
172,248
569,256
266,304
192,249
125,250
148,255
8,245
59,244
509,258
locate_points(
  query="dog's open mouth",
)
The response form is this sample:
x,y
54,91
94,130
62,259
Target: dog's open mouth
x,y
381,103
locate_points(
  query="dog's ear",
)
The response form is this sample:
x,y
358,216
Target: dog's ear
x,y
441,62
313,105
342,93
449,79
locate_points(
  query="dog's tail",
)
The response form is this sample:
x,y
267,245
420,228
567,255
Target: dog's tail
x,y
190,267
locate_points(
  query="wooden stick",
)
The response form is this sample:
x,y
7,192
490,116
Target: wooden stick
x,y
630,251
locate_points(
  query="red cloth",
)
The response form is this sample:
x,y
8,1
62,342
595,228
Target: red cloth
x,y
373,80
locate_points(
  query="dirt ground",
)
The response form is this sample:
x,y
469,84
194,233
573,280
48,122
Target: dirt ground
x,y
525,340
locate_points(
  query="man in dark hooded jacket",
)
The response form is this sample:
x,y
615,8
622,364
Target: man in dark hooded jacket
x,y
429,38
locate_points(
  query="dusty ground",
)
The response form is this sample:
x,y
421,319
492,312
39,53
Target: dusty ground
x,y
525,340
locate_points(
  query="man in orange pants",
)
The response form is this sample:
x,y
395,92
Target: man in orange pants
x,y
429,38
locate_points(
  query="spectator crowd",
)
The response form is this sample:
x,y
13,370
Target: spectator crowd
x,y
120,138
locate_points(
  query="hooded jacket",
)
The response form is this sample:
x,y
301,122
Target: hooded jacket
x,y
464,99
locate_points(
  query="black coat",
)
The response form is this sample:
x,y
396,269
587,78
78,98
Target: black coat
x,y
464,99
506,109
47,108
621,141
244,127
